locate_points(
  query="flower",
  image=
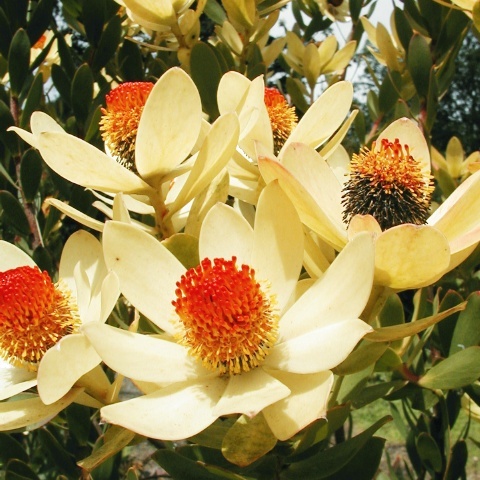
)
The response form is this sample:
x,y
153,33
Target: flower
x,y
40,341
316,128
407,255
237,337
168,132
335,10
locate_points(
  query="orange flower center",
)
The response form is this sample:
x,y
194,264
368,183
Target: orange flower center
x,y
282,117
34,315
388,184
119,122
40,43
229,321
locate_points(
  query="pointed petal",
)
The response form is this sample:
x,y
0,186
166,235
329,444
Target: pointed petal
x,y
224,234
41,122
457,218
169,125
409,134
172,413
148,272
142,357
14,380
410,256
323,117
250,393
63,364
216,151
278,243
320,349
77,215
231,91
32,411
311,214
85,165
12,257
340,294
306,403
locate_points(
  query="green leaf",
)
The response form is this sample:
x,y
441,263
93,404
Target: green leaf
x,y
56,454
180,467
62,83
40,19
10,448
467,333
404,30
108,43
13,212
31,173
429,452
65,53
6,34
215,12
17,470
130,61
82,92
388,95
419,62
249,439
363,356
112,442
185,248
10,139
458,461
355,7
206,73
456,371
364,465
19,60
93,16
296,91
397,332
43,259
375,392
446,328
432,100
32,102
328,462
213,435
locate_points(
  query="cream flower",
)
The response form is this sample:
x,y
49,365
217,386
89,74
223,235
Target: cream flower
x,y
406,255
40,341
321,126
237,340
169,127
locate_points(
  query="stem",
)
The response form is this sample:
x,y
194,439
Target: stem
x,y
28,207
163,223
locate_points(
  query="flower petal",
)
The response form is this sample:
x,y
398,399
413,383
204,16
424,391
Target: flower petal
x,y
32,412
250,393
172,413
341,293
63,364
315,216
85,165
323,117
169,125
14,380
143,357
306,403
410,256
77,215
224,234
12,257
320,349
278,243
148,272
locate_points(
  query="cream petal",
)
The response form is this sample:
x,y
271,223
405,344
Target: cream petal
x,y
85,165
148,272
410,256
41,122
457,218
306,403
169,125
153,12
231,92
323,117
14,380
341,293
32,411
12,257
27,137
216,151
278,243
225,234
77,215
250,393
172,413
319,349
15,388
109,296
409,134
63,364
142,357
363,223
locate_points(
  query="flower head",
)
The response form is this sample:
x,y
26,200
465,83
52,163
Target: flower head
x,y
238,338
120,119
387,183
